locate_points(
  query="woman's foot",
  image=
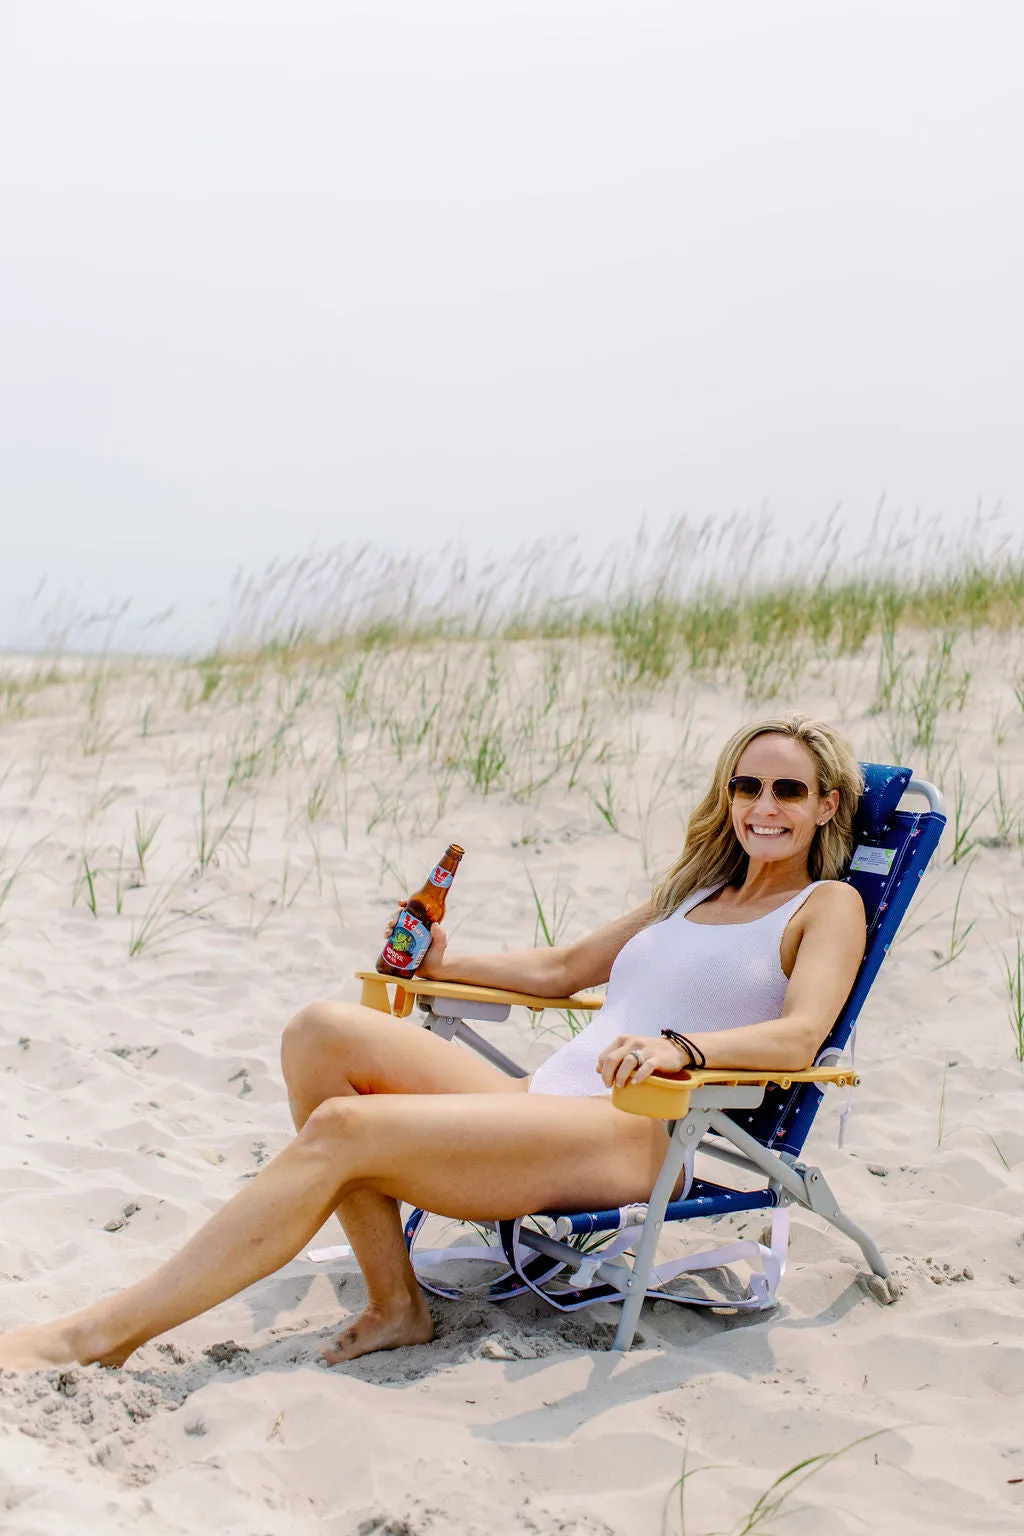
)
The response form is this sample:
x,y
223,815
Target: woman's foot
x,y
38,1348
378,1328
72,1340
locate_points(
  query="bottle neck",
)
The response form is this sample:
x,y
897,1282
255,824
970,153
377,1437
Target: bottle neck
x,y
444,870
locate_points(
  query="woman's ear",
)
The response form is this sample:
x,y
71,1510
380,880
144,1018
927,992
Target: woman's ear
x,y
829,805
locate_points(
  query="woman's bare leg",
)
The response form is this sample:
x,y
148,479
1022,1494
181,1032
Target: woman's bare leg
x,y
470,1157
336,1050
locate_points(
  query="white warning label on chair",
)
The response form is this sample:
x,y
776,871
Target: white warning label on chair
x,y
873,861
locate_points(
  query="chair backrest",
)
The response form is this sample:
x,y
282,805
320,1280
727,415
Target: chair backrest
x,y
891,852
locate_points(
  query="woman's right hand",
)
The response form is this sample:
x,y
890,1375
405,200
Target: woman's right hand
x,y
432,965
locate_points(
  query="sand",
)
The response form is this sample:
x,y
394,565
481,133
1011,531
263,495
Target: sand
x,y
139,1092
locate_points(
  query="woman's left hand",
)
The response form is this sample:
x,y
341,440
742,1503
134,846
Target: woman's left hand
x,y
632,1059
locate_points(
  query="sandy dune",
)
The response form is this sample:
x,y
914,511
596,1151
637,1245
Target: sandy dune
x,y
139,1090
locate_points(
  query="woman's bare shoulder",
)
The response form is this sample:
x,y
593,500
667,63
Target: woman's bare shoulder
x,y
833,927
835,900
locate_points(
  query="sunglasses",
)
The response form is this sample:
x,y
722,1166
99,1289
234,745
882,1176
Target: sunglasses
x,y
746,786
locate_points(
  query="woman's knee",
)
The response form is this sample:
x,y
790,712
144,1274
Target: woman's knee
x,y
332,1124
319,1027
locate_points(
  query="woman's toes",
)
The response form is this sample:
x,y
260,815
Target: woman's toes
x,y
37,1348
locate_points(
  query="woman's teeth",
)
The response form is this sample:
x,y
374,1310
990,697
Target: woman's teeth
x,y
768,831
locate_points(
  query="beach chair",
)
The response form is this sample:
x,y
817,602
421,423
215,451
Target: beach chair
x,y
755,1123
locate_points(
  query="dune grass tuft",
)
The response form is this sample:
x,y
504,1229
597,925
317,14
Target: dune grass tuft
x,y
701,598
771,1505
1014,972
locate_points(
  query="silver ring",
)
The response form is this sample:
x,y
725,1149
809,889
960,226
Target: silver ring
x,y
637,1058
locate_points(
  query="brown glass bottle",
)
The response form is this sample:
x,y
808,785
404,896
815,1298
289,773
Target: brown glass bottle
x,y
410,938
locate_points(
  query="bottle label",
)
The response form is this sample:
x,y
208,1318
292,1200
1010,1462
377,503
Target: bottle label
x,y
409,942
442,878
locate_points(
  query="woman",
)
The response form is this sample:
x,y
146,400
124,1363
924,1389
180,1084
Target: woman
x,y
750,945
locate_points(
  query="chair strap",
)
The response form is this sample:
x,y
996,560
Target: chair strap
x,y
761,1293
514,1282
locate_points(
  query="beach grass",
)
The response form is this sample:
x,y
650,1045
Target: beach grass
x,y
684,603
773,1504
513,678
359,702
1014,972
959,932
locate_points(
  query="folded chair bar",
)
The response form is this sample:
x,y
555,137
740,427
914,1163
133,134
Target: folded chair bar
x,y
580,1223
705,1199
768,1163
615,1275
728,1155
488,1051
723,1202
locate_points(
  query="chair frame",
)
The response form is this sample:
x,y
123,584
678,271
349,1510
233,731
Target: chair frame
x,y
699,1108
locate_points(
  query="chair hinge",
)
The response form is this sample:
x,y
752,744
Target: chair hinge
x,y
818,1195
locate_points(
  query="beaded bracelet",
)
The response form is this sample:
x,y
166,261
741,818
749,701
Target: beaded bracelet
x,y
693,1051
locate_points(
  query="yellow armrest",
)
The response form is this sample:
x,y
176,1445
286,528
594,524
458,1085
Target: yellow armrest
x,y
375,995
668,1098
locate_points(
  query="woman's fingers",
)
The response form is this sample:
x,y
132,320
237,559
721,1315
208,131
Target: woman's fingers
x,y
392,920
434,957
627,1066
617,1064
617,1046
646,1067
608,1061
632,1059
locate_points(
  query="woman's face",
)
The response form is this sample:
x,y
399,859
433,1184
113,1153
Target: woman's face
x,y
772,830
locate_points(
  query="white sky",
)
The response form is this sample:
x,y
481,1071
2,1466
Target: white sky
x,y
276,273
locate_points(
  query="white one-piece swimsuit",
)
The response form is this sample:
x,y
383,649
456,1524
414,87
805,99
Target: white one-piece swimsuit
x,y
677,974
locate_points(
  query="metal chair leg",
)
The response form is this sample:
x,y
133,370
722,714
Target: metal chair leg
x,y
685,1136
864,1242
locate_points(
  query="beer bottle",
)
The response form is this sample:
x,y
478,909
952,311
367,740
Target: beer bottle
x,y
410,937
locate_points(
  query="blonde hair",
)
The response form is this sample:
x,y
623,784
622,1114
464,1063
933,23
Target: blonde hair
x,y
712,854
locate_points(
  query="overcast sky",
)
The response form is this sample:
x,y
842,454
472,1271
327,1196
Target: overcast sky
x,y
282,273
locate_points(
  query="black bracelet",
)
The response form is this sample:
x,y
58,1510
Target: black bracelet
x,y
693,1051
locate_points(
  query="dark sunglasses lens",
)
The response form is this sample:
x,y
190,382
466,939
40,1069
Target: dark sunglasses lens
x,y
744,787
789,790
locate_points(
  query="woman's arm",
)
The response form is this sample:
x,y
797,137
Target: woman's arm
x,y
827,961
555,972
